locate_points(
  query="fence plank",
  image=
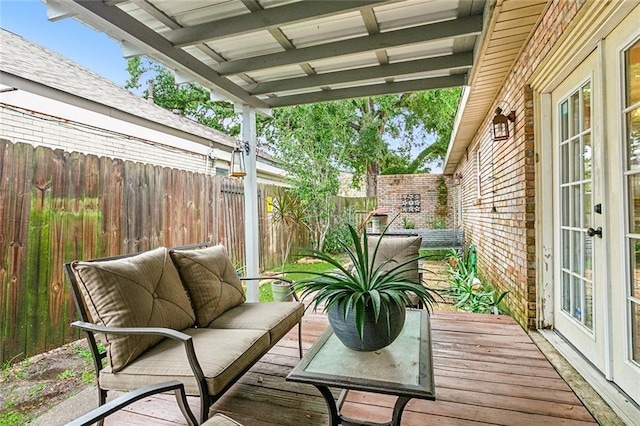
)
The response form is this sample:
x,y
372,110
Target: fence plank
x,y
57,206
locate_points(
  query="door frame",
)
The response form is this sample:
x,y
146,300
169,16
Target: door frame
x,y
560,63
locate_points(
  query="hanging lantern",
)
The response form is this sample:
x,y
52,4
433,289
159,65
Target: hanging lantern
x,y
501,124
238,168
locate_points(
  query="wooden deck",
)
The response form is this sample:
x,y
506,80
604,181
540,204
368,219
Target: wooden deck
x,y
487,371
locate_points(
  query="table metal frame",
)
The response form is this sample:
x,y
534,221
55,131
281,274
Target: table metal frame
x,y
424,389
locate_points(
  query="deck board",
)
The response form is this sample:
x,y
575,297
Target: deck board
x,y
487,371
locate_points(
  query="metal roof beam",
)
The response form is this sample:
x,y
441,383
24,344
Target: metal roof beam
x,y
268,18
460,60
370,90
441,30
139,32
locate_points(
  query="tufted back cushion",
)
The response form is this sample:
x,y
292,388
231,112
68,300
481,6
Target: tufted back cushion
x,y
137,291
211,280
400,249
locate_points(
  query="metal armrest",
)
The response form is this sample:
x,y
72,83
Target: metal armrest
x,y
166,332
136,395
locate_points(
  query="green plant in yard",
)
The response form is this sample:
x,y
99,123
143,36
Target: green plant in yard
x,y
407,224
65,375
468,292
36,389
11,418
363,286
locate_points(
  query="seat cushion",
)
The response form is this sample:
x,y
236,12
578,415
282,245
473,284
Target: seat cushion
x,y
138,291
399,249
222,354
275,317
211,280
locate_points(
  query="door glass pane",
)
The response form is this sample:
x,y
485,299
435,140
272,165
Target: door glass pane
x,y
566,250
574,125
633,138
576,205
564,165
586,156
577,160
565,206
635,268
586,106
576,245
564,121
566,291
635,331
588,258
588,304
586,199
633,74
634,205
577,299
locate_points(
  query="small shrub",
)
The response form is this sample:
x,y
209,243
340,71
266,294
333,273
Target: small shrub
x,y
468,292
65,375
407,224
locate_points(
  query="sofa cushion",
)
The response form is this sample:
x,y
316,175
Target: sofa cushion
x,y
138,291
399,249
211,280
222,354
275,317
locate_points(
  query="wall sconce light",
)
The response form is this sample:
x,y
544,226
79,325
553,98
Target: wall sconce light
x,y
501,124
457,178
238,168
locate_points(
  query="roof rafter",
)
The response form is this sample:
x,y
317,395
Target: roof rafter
x,y
460,60
263,19
370,90
155,42
470,25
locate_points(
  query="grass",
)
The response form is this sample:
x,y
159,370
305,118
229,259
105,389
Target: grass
x,y
293,273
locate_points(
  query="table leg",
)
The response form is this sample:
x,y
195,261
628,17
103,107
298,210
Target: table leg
x,y
401,402
334,418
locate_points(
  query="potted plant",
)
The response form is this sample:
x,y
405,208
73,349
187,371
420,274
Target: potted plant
x,y
365,301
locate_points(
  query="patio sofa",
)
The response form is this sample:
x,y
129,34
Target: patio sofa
x,y
173,314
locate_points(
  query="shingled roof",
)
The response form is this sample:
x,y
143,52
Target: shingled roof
x,y
27,63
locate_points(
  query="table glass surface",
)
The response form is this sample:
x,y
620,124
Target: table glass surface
x,y
396,363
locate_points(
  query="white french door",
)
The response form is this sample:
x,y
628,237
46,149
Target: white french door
x,y
623,148
596,193
578,190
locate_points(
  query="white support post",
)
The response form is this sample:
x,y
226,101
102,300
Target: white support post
x,y
252,235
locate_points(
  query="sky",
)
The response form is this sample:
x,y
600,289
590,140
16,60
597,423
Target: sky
x,y
77,42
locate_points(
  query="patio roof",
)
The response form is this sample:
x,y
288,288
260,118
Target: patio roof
x,y
272,53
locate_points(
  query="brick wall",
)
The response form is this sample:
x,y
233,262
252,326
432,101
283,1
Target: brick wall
x,y
498,193
392,188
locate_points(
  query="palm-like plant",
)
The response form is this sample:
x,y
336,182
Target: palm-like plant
x,y
363,285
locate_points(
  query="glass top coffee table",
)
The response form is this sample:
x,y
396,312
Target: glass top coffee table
x,y
404,368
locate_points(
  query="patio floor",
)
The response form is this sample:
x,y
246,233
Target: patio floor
x,y
487,371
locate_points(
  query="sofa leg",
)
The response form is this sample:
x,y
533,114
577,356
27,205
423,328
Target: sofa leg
x,y
102,399
300,338
205,405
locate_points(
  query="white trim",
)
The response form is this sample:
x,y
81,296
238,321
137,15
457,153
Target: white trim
x,y
545,210
621,404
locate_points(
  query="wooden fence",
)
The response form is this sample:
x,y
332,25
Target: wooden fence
x,y
57,206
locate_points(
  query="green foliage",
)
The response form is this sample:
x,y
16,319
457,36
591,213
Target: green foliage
x,y
192,100
407,224
13,418
469,293
288,211
338,231
363,284
65,375
36,389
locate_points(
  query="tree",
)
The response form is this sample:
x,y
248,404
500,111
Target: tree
x,y
191,100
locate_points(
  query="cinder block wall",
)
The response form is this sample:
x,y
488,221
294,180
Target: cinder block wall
x,y
392,188
498,191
